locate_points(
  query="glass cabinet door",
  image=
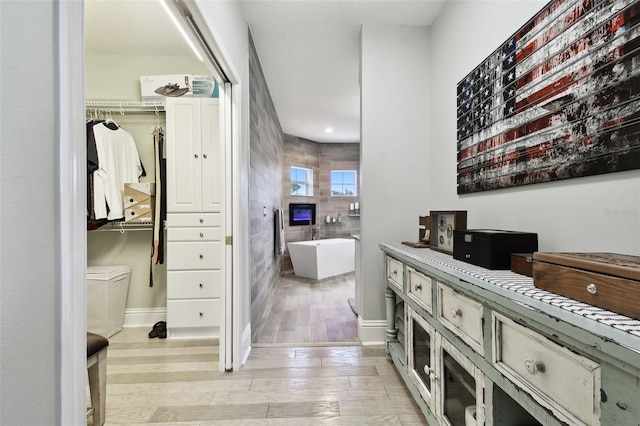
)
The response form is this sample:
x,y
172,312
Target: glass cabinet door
x,y
461,388
422,341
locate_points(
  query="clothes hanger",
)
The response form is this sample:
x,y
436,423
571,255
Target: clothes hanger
x,y
110,123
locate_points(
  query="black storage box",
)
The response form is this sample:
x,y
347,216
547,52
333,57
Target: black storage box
x,y
491,248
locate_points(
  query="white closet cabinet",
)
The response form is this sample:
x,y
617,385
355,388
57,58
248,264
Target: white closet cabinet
x,y
195,222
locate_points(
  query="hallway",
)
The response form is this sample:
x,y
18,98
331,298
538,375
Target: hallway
x,y
165,381
306,311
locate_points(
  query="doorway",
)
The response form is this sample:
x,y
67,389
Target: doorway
x,y
72,189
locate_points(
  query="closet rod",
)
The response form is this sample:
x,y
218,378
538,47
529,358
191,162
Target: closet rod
x,y
127,105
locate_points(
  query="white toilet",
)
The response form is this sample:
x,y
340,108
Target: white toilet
x,y
107,289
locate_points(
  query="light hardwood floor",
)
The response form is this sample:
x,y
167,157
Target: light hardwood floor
x,y
293,375
177,382
309,311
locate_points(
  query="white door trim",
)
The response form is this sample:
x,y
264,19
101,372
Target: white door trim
x,y
226,325
71,199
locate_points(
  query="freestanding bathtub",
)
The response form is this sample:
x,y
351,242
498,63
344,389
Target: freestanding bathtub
x,y
319,259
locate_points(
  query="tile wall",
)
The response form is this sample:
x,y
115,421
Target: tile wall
x,y
266,165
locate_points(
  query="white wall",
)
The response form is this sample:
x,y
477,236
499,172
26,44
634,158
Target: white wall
x,y
598,213
30,385
394,149
117,77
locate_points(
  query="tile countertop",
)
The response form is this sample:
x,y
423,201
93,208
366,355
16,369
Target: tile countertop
x,y
621,329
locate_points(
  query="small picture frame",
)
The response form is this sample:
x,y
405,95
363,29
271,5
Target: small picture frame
x,y
442,225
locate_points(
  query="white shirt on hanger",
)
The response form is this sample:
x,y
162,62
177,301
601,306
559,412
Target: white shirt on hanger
x,y
119,163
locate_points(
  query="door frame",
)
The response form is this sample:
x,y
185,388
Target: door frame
x,y
72,206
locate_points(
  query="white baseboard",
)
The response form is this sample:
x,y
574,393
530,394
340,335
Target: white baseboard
x,y
245,345
144,317
371,332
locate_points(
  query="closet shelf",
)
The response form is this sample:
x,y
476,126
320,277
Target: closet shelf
x,y
125,226
126,105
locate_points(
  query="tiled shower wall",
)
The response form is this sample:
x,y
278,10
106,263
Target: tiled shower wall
x,y
266,193
322,158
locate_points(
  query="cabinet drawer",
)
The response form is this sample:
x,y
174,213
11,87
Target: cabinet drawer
x,y
193,313
567,383
461,315
194,219
395,272
194,234
190,255
419,286
193,284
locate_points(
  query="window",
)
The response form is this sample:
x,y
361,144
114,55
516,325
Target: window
x,y
343,183
301,181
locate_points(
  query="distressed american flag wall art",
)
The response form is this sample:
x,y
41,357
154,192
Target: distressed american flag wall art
x,y
559,99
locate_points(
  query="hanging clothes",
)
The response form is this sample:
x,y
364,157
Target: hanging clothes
x,y
160,211
118,163
92,165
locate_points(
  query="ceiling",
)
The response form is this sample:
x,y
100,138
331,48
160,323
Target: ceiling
x,y
308,49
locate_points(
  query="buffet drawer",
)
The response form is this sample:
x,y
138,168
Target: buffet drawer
x,y
193,313
194,234
567,383
461,315
419,287
395,272
194,255
193,284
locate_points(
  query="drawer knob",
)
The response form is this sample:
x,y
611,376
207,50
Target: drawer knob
x,y
201,235
427,370
201,220
455,313
195,155
201,285
418,287
201,314
468,256
591,288
394,272
204,155
201,256
534,367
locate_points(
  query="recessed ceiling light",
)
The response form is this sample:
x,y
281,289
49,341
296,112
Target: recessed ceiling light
x,y
328,130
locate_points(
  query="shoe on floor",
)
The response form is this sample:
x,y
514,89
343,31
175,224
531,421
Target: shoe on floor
x,y
158,330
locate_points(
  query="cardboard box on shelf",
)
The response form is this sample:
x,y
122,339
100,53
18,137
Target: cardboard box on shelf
x,y
139,201
205,86
155,88
140,213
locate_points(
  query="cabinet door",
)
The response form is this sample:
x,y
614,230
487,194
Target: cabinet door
x,y
212,157
461,387
183,147
423,342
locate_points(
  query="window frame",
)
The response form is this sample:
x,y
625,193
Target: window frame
x,y
308,183
355,183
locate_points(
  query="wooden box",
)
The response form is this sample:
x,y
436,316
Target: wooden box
x,y
522,263
607,280
491,248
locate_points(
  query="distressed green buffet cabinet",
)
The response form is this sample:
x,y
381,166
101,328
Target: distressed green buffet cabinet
x,y
477,346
